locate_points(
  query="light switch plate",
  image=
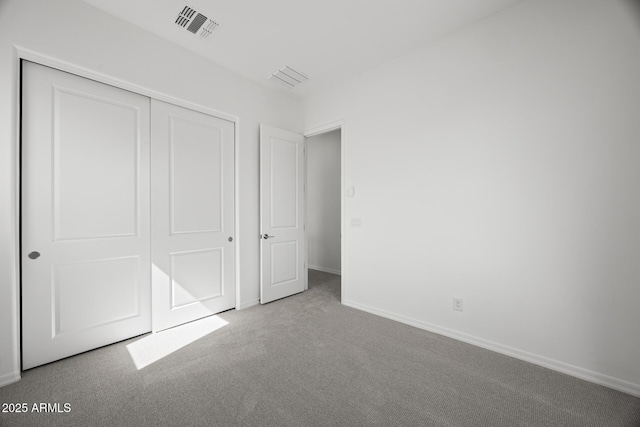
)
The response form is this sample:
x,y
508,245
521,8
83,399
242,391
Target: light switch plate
x,y
351,191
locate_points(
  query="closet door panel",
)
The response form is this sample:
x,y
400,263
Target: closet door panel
x,y
85,215
193,248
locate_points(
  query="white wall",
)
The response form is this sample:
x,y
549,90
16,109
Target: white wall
x,y
501,165
323,201
72,32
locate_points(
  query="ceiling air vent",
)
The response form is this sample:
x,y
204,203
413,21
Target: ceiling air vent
x,y
196,22
288,77
185,16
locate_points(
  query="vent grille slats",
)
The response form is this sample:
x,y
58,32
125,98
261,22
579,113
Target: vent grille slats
x,y
182,21
288,77
196,22
208,29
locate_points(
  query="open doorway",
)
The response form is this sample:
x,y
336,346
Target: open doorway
x,y
324,207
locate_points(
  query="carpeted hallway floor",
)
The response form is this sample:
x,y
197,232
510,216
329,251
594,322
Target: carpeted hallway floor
x,y
307,360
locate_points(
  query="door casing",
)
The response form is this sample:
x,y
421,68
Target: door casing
x,y
318,130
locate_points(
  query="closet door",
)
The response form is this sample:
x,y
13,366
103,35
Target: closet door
x,y
85,215
193,262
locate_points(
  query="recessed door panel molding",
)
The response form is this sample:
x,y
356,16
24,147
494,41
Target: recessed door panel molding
x,y
283,271
111,284
196,276
95,170
284,263
193,245
85,215
196,174
284,183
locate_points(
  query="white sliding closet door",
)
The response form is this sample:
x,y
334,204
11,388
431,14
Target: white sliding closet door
x,y
193,262
127,206
85,215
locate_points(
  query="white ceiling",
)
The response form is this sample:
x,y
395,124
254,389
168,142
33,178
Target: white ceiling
x,y
328,40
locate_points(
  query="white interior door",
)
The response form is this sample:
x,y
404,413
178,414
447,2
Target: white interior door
x,y
283,269
193,260
85,215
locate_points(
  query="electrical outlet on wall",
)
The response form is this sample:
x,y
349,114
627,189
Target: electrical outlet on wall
x,y
457,304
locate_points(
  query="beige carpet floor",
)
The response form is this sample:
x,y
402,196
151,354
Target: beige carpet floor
x,y
307,360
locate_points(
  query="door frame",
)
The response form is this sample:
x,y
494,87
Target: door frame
x,y
338,124
21,54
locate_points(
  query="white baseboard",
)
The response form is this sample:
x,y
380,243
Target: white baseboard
x,y
326,270
565,368
247,304
10,378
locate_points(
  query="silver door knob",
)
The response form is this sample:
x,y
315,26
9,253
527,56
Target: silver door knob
x,y
34,255
266,236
